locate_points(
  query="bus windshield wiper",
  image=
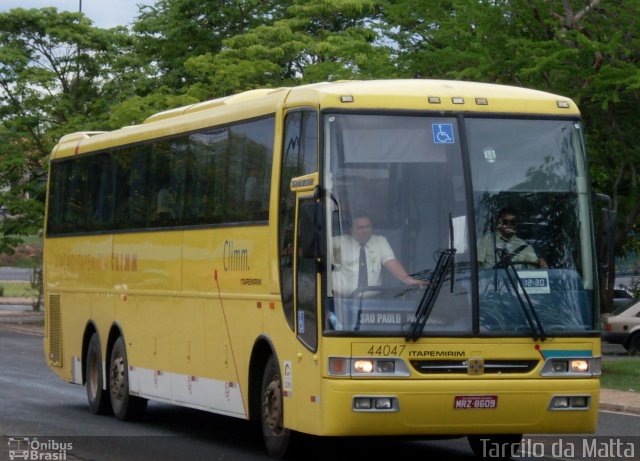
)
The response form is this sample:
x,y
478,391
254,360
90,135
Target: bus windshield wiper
x,y
430,295
505,262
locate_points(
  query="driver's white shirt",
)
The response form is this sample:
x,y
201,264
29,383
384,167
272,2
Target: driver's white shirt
x,y
347,261
487,256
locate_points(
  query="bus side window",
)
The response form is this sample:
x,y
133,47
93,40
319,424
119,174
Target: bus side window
x,y
75,207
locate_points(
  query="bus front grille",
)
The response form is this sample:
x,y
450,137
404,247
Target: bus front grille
x,y
439,367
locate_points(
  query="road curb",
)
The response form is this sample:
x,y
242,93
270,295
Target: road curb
x,y
619,408
17,301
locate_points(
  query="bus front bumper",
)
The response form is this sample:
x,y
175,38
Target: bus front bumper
x,y
459,407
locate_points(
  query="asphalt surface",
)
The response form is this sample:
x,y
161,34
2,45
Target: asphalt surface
x,y
15,274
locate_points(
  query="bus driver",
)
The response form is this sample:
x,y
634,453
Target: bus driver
x,y
507,244
360,257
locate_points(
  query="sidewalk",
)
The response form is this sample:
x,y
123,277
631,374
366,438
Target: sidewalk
x,y
16,314
621,401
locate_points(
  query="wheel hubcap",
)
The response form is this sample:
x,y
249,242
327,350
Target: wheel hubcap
x,y
272,406
117,378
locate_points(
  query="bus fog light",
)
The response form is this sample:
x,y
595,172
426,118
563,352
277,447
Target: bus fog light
x,y
579,402
579,366
570,402
375,404
560,402
362,403
386,366
384,403
363,366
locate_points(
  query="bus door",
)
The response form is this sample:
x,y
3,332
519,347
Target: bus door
x,y
298,275
307,260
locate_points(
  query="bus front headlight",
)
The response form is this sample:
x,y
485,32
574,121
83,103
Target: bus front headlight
x,y
363,366
579,366
571,367
367,367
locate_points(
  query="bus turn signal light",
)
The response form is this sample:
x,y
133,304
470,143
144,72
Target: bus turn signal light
x,y
338,366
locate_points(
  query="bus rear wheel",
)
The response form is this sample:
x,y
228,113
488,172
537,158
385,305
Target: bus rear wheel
x,y
125,406
495,446
96,395
276,436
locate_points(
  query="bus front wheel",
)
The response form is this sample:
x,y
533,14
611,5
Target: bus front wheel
x,y
276,436
96,395
125,406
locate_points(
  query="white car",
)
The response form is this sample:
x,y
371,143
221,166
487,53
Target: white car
x,y
622,326
621,296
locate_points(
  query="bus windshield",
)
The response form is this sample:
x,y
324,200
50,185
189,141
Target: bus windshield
x,y
514,225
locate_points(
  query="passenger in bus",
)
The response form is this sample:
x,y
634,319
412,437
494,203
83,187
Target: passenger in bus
x,y
253,192
359,258
166,204
508,246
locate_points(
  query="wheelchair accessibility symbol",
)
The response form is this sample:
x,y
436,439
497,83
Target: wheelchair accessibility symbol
x,y
442,133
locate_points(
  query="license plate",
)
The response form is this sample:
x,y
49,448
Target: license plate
x,y
475,402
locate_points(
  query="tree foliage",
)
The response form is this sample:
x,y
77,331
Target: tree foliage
x,y
60,74
315,41
173,31
56,76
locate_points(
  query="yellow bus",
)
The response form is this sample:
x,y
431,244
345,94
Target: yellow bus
x,y
362,258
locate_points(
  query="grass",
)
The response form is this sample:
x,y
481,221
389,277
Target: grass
x,y
622,374
18,290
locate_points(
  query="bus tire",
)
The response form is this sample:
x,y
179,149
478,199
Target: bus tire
x,y
495,446
96,395
125,406
276,436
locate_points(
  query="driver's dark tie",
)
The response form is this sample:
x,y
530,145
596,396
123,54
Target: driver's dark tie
x,y
363,281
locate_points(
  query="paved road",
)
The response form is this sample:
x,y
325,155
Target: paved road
x,y
16,274
35,404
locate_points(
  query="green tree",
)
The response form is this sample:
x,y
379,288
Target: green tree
x,y
315,41
56,76
173,31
